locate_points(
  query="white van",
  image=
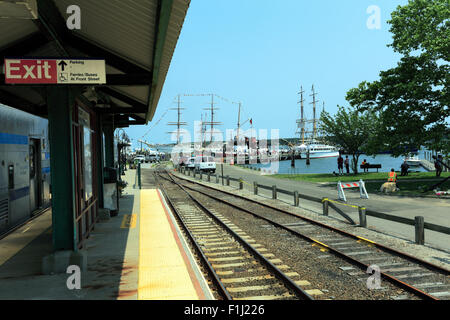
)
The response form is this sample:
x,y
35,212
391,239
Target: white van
x,y
205,164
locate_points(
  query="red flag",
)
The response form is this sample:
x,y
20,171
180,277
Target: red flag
x,y
251,121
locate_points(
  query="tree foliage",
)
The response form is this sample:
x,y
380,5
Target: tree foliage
x,y
352,130
413,98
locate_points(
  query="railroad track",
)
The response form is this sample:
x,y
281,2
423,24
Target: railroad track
x,y
240,268
415,276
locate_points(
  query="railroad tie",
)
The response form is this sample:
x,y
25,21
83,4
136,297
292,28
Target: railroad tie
x,y
273,297
215,254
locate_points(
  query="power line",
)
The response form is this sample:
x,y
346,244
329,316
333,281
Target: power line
x,y
157,122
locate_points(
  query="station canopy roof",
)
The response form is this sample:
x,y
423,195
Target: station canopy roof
x,y
136,38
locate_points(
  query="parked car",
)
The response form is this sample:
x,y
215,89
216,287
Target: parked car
x,y
140,159
190,163
204,164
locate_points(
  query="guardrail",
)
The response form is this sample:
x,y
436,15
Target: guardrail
x,y
418,222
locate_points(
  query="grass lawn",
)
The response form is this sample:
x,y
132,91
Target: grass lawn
x,y
409,188
328,177
374,181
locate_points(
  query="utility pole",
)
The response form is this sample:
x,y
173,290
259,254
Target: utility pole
x,y
212,116
238,123
203,130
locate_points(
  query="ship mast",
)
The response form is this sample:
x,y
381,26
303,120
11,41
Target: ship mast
x,y
314,113
212,123
301,122
179,123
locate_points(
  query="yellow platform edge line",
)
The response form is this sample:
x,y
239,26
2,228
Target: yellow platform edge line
x,y
155,280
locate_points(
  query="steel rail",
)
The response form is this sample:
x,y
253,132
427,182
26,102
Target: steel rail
x,y
360,264
345,233
280,275
221,288
211,271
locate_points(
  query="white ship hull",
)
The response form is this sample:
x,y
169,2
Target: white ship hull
x,y
317,151
413,161
317,155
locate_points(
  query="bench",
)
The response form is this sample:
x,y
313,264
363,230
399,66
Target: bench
x,y
371,166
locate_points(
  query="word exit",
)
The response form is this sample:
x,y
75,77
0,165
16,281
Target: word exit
x,y
55,71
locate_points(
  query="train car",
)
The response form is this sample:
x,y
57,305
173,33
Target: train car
x,y
24,166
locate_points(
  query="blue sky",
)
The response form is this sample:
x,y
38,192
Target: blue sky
x,y
259,52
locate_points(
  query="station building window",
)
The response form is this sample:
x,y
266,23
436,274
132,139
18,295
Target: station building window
x,y
85,129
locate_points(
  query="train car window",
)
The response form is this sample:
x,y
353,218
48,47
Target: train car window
x,y
11,177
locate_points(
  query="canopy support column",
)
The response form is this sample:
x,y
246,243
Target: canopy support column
x,y
109,145
60,102
100,164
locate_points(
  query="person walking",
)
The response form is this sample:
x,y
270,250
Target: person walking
x,y
340,162
347,165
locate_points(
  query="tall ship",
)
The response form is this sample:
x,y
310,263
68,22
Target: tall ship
x,y
309,144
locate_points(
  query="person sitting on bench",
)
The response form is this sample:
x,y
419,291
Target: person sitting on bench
x,y
365,165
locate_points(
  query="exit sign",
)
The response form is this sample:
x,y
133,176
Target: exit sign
x,y
54,71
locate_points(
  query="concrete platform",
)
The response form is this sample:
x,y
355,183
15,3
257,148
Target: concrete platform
x,y
139,254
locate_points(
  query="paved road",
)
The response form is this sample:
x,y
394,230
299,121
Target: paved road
x,y
435,211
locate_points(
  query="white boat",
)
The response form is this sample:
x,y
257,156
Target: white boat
x,y
317,150
413,161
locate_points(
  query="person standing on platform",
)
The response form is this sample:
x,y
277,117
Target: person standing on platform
x,y
347,165
340,162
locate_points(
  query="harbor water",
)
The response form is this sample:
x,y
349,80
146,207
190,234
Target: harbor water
x,y
328,165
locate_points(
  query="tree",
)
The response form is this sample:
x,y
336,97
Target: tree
x,y
413,98
355,131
